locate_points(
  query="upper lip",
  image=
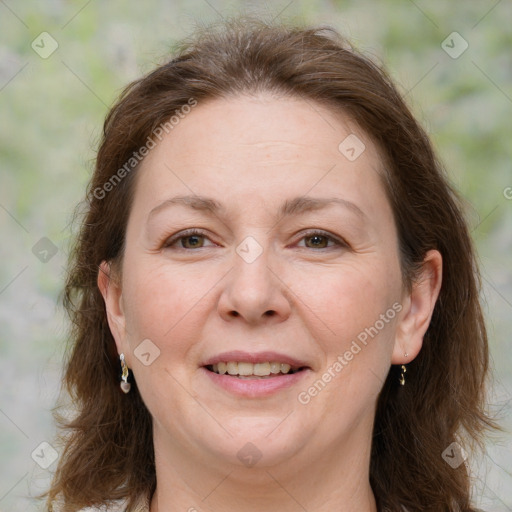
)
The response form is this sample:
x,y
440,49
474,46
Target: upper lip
x,y
255,357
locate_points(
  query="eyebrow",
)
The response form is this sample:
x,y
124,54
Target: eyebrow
x,y
295,206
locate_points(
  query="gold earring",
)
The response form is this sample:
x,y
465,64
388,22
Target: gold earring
x,y
402,375
125,385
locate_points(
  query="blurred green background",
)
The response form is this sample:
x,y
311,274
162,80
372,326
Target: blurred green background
x,y
52,107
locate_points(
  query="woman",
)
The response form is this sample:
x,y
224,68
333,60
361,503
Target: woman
x,y
274,292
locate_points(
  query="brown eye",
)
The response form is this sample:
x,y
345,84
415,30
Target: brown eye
x,y
320,240
317,241
192,239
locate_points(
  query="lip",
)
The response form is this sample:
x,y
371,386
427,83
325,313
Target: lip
x,y
257,357
254,388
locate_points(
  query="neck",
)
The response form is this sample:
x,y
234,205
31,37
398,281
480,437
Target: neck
x,y
337,479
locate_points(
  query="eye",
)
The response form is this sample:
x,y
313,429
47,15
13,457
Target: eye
x,y
320,240
195,239
190,239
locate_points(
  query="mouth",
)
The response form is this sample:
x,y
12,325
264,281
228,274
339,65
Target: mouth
x,y
254,375
254,371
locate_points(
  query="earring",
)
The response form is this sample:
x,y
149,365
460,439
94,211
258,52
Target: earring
x,y
125,385
402,376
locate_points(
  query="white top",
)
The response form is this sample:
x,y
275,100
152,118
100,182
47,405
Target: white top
x,y
142,505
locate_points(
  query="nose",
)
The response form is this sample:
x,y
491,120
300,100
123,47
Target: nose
x,y
255,292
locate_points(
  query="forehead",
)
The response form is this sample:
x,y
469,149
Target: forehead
x,y
245,148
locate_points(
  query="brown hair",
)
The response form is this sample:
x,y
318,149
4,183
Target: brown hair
x,y
108,450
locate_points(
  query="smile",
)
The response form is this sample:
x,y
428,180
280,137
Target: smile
x,y
252,371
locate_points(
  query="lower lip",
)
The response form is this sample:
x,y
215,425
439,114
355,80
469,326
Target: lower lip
x,y
255,388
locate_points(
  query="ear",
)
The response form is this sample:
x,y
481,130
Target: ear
x,y
418,306
110,288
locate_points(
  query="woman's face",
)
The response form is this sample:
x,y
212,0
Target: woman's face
x,y
296,262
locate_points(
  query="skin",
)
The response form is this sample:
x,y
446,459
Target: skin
x,y
304,296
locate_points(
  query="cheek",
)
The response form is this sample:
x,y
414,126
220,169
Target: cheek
x,y
346,300
353,322
168,306
161,301
355,342
354,325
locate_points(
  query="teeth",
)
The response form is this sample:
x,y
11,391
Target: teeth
x,y
232,368
261,369
275,367
244,369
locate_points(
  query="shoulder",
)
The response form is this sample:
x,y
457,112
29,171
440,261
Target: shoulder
x,y
120,506
142,505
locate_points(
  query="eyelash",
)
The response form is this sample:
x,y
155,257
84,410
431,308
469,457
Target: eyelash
x,y
197,232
